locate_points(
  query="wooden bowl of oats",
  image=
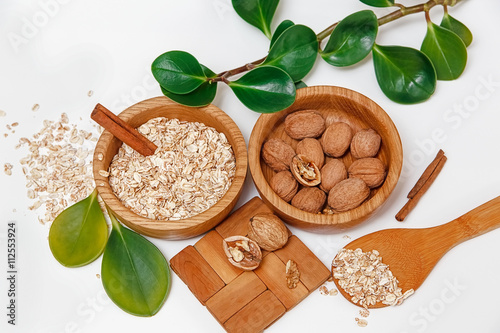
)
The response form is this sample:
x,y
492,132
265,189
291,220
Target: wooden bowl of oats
x,y
191,182
327,106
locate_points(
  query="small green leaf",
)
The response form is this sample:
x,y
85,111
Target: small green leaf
x,y
201,96
134,273
352,40
446,50
300,84
258,13
378,3
78,235
178,72
280,29
265,89
294,51
404,74
457,27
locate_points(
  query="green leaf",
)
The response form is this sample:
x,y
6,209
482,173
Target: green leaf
x,y
178,72
201,96
446,50
265,89
352,40
300,84
294,51
258,13
134,273
280,29
78,235
404,74
457,27
378,3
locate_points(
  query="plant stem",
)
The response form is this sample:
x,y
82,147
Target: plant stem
x,y
400,12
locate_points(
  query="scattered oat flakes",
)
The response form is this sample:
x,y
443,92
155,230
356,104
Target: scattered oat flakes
x,y
90,93
323,290
98,275
3,113
5,135
346,237
292,274
7,168
330,279
364,313
57,168
14,124
366,279
190,171
333,292
361,322
104,173
35,107
100,156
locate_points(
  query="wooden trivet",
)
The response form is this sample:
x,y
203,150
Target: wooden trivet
x,y
246,301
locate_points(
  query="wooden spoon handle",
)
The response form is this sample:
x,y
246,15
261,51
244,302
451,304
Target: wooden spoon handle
x,y
478,221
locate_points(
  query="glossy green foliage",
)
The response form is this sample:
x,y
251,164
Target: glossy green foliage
x,y
265,89
294,51
404,74
280,29
352,40
178,72
258,13
446,50
457,27
300,84
78,235
378,3
134,272
201,96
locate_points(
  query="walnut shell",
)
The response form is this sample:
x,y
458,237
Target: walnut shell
x,y
305,171
336,139
284,185
277,154
304,124
371,170
365,143
312,149
348,194
242,252
332,173
268,231
309,199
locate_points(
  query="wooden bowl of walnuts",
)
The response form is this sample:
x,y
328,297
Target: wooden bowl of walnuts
x,y
327,162
186,168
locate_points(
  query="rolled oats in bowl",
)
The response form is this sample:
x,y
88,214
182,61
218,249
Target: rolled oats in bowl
x,y
190,171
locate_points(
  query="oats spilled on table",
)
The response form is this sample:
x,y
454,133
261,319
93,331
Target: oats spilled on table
x,y
190,171
366,279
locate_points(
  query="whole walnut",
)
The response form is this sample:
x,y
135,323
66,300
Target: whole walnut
x,y
304,124
347,195
284,185
332,173
336,139
309,199
311,148
371,170
365,143
277,154
268,231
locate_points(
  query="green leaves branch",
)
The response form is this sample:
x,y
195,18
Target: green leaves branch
x,y
405,75
134,272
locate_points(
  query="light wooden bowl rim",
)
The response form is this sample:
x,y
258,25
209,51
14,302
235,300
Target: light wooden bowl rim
x,y
325,222
188,227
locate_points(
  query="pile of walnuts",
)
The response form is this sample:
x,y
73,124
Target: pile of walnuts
x,y
312,177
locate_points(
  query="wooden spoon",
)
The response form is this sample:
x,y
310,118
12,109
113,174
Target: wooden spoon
x,y
412,253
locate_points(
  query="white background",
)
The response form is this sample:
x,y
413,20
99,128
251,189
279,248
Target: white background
x,y
108,46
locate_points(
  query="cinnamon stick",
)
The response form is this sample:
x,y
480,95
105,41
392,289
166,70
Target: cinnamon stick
x,y
122,130
423,184
427,173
